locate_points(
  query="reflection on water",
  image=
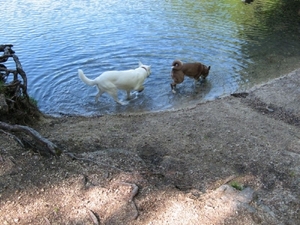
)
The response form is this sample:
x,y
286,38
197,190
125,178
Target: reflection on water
x,y
272,31
245,44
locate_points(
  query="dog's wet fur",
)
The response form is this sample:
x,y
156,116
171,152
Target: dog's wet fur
x,y
195,70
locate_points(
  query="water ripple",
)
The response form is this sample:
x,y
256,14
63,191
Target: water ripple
x,y
54,39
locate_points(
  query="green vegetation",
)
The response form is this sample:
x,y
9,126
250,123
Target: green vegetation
x,y
237,185
33,101
292,174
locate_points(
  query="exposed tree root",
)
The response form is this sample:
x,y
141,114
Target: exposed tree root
x,y
43,145
17,108
134,192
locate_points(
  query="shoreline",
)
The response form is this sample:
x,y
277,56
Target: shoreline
x,y
247,91
233,160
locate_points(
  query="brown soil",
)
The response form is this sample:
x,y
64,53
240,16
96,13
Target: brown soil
x,y
235,160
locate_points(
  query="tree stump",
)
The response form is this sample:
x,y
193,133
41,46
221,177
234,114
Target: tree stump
x,y
16,107
18,87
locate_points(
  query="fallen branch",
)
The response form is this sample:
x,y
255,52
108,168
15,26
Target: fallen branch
x,y
48,146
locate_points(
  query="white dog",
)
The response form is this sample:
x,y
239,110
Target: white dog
x,y
111,81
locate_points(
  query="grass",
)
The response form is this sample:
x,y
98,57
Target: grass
x,y
292,174
237,185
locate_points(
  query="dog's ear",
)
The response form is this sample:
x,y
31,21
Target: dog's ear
x,y
140,64
208,68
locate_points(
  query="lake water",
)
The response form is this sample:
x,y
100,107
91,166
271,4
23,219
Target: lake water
x,y
245,45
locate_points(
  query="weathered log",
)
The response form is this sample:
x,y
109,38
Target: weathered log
x,y
48,146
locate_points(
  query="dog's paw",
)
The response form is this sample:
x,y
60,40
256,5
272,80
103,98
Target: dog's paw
x,y
123,102
140,90
174,92
202,79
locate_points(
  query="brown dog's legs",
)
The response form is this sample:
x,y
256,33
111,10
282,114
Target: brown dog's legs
x,y
173,86
178,77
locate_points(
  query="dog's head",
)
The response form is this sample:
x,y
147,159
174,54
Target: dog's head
x,y
205,71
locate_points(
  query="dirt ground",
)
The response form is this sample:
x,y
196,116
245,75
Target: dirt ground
x,y
234,160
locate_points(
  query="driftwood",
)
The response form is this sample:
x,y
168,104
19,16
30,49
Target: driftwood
x,y
43,144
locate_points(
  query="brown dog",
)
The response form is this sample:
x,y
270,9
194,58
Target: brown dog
x,y
193,70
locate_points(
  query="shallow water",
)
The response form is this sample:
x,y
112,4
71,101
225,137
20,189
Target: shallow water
x,y
245,44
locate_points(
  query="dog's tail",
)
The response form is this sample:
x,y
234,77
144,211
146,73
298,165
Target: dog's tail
x,y
85,79
177,64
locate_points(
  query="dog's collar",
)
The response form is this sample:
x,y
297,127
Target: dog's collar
x,y
144,68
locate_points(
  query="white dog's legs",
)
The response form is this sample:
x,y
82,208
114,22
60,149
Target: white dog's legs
x,y
114,93
128,94
98,95
141,89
